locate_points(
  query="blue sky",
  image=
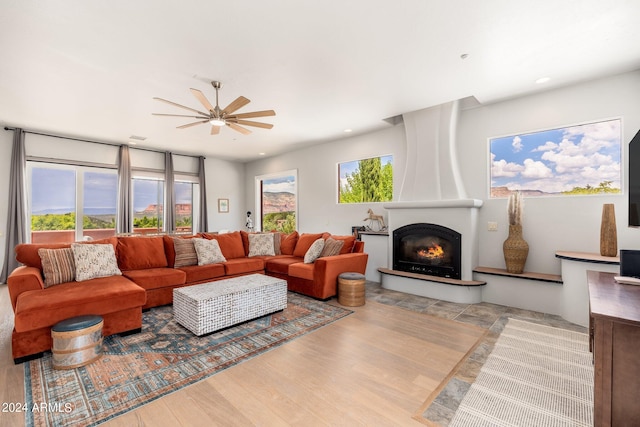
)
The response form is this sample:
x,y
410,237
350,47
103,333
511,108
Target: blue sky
x,y
559,159
53,190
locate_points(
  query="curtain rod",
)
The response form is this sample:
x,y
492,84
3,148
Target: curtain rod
x,y
99,142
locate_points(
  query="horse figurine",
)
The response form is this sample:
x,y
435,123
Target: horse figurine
x,y
375,218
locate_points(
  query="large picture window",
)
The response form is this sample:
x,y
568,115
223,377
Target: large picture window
x,y
277,199
70,203
367,180
582,159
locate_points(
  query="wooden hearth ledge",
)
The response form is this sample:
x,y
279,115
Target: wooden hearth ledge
x,y
429,278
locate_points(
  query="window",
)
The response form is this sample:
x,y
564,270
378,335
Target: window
x,y
367,180
574,160
277,199
69,203
148,205
187,204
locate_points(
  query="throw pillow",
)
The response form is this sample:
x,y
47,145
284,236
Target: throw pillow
x,y
314,251
185,252
277,241
208,251
261,244
331,247
57,265
94,261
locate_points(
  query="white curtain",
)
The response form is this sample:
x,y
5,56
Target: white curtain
x,y
17,208
169,196
203,225
124,221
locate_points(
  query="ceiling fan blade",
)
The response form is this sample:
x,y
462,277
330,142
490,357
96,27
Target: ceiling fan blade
x,y
264,113
182,106
203,100
192,124
239,128
215,130
180,115
239,102
256,124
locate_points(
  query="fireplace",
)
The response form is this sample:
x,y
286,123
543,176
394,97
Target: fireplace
x,y
427,249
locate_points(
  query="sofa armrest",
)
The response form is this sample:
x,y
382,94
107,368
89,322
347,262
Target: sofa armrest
x,y
327,270
23,279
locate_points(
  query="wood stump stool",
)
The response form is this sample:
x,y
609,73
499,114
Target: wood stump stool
x,y
351,289
76,341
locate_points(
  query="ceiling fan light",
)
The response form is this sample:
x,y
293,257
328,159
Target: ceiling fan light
x,y
217,122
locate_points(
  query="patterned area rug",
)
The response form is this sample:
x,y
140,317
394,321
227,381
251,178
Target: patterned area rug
x,y
536,375
161,359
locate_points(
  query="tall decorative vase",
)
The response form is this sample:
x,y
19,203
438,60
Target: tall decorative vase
x,y
515,249
608,232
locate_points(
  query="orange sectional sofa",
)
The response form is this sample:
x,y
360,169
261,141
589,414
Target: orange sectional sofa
x,y
148,276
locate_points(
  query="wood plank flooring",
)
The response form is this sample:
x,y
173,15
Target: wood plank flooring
x,y
378,366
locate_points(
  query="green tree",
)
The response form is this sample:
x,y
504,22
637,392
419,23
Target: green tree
x,y
370,182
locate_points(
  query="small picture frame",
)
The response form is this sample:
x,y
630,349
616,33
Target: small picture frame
x,y
223,205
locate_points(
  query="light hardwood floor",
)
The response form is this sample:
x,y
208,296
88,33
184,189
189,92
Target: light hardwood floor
x,y
380,366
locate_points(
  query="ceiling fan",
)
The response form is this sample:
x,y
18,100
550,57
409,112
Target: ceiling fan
x,y
219,117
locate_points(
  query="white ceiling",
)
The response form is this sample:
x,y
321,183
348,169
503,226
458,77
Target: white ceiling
x,y
90,69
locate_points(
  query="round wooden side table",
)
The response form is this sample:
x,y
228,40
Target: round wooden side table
x,y
351,290
76,341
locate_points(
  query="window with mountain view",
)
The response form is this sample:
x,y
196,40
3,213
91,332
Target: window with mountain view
x,y
69,203
582,159
367,180
278,201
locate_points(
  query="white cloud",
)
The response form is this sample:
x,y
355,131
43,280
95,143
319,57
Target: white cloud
x,y
517,144
548,146
503,169
536,169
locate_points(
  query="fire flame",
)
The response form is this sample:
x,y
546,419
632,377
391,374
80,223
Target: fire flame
x,y
432,252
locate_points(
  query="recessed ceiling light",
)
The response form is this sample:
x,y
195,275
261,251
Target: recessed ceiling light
x,y
261,154
348,130
137,138
543,80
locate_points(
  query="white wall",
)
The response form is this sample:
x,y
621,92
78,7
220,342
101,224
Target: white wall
x,y
550,224
318,178
225,180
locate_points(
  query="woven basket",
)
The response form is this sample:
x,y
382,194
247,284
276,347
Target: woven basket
x,y
516,250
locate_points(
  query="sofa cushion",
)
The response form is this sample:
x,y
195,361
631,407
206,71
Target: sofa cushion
x,y
280,264
58,266
261,244
27,253
94,261
138,252
302,270
348,240
202,273
314,251
155,278
46,307
332,247
288,243
243,265
304,243
230,244
185,252
208,251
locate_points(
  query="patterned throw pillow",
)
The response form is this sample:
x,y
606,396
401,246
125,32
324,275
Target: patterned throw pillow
x,y
185,252
331,247
277,240
94,261
314,251
261,244
58,266
208,251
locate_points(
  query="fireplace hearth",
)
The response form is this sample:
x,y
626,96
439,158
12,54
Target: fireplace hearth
x,y
429,249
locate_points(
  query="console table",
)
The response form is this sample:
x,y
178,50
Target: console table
x,y
614,334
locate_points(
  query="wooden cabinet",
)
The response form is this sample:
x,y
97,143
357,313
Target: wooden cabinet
x,y
614,330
